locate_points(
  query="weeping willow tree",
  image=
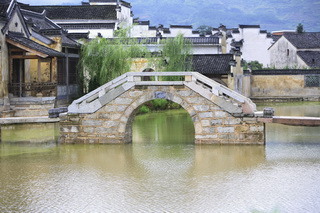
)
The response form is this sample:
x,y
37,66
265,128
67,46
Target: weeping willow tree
x,y
176,55
103,59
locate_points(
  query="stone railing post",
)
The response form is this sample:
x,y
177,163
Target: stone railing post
x,y
188,78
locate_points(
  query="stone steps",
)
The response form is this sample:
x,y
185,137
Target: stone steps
x,y
30,106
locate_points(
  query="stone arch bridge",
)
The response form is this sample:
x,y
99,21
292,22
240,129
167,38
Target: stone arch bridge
x,y
105,115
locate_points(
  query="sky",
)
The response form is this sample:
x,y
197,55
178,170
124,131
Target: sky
x,y
49,2
271,15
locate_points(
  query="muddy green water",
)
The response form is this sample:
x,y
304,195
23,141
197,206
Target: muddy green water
x,y
162,170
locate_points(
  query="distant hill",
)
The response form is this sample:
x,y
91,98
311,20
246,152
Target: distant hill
x,y
270,14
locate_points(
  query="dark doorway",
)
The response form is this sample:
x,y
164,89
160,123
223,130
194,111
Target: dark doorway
x,y
18,77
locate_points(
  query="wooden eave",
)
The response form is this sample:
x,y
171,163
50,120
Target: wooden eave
x,y
23,47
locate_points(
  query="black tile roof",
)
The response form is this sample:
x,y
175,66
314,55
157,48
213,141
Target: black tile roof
x,y
141,22
79,35
39,20
237,44
203,40
275,37
212,64
166,30
248,26
181,26
311,58
149,40
4,4
193,40
235,31
19,38
100,12
67,41
127,4
124,3
69,26
286,72
307,40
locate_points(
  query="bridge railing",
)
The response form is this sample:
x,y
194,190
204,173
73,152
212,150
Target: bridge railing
x,y
102,90
131,79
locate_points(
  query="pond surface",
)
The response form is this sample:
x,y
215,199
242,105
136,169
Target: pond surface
x,y
162,170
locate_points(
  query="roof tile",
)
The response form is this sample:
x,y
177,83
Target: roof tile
x,y
103,12
306,40
212,64
34,45
311,58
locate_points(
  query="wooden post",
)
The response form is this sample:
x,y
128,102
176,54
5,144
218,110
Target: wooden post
x,y
67,73
51,75
20,76
39,70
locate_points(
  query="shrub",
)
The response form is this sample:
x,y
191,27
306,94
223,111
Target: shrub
x,y
144,109
159,104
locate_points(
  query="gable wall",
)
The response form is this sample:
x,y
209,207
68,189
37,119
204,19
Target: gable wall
x,y
15,24
279,57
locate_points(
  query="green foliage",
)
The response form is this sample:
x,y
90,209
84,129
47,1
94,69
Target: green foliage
x,y
300,28
254,65
176,56
158,105
143,109
105,59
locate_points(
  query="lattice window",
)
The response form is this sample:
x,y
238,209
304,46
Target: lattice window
x,y
73,74
62,75
312,81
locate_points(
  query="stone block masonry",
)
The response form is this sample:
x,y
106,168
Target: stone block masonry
x,y
112,123
31,106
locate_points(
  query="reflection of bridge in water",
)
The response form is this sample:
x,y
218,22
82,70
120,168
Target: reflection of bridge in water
x,y
219,114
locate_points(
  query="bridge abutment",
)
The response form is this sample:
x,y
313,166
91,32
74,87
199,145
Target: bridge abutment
x,y
112,122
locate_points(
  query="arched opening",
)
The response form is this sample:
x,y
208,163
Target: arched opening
x,y
161,121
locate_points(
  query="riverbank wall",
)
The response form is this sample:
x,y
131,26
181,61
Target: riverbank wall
x,y
282,85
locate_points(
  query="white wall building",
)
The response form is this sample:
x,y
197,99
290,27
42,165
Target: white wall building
x,y
97,17
254,43
296,50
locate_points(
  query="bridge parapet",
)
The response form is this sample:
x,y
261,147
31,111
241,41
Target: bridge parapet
x,y
209,89
105,115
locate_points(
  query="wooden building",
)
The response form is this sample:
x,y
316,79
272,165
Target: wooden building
x,y
37,58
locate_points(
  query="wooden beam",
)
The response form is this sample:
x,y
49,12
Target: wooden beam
x,y
16,50
292,120
24,57
297,121
42,55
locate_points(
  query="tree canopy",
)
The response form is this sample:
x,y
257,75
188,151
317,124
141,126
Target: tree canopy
x,y
105,59
300,28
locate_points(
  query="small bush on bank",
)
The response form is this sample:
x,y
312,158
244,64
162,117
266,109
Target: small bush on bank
x,y
158,105
144,109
